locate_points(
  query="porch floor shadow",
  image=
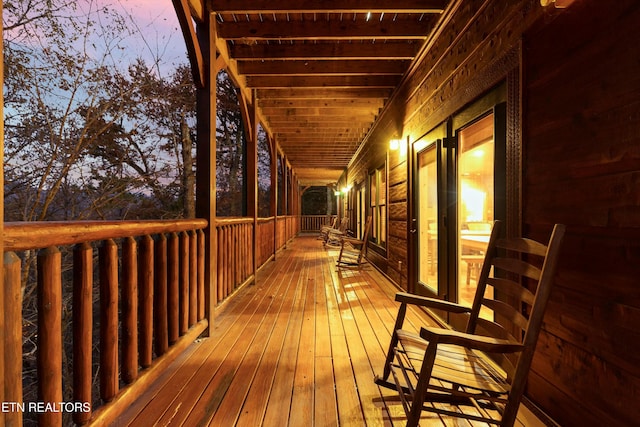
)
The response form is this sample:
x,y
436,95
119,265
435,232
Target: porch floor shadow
x,y
298,348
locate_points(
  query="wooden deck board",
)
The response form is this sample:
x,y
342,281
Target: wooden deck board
x,y
298,348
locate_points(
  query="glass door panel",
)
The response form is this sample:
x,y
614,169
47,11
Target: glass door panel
x,y
427,198
476,201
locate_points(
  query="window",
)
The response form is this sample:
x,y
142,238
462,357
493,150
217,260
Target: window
x,y
378,202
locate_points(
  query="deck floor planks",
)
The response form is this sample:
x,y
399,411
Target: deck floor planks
x,y
302,399
256,401
298,348
349,408
217,389
326,408
188,394
279,404
230,409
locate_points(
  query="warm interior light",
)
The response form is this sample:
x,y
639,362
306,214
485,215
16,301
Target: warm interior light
x,y
559,4
394,144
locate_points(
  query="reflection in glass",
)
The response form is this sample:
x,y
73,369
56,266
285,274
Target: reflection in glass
x,y
475,202
428,219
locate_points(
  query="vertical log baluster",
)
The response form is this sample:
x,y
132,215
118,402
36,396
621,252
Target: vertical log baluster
x,y
184,282
193,277
108,320
82,327
129,310
145,284
201,272
233,247
160,296
221,262
173,294
50,333
13,336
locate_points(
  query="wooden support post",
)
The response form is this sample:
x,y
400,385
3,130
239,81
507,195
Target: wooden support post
x,y
252,177
3,303
82,328
273,201
50,333
145,284
206,160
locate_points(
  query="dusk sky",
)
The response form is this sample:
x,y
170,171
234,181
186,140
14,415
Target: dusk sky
x,y
157,20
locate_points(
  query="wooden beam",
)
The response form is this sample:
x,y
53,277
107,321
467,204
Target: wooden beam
x,y
285,82
191,40
324,6
196,7
397,50
324,93
320,121
323,67
325,30
274,113
206,165
329,102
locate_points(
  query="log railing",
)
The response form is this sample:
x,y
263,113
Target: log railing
x,y
266,242
313,223
149,297
151,293
287,228
235,254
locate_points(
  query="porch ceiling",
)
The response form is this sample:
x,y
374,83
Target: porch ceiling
x,y
320,71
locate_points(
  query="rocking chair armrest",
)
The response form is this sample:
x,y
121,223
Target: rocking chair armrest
x,y
434,303
352,240
477,342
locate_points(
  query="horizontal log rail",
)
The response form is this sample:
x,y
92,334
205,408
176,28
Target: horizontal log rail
x,y
150,292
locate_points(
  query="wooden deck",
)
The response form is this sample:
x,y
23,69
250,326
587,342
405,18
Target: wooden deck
x,y
299,348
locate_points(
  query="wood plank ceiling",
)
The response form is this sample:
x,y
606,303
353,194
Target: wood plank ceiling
x,y
322,70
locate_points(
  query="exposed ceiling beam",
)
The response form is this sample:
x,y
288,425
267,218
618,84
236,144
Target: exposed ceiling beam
x,y
274,113
323,93
324,30
322,81
307,67
356,50
329,102
335,6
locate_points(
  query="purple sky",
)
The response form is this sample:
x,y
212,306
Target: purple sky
x,y
157,21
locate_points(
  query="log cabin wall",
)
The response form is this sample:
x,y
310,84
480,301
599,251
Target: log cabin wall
x,y
573,96
582,150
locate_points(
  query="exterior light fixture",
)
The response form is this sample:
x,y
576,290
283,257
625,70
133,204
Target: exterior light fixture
x,y
394,144
559,4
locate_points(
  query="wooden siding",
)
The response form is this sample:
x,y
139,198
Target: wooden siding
x,y
582,145
573,156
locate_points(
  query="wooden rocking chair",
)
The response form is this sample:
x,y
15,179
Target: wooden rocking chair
x,y
486,366
324,230
352,251
335,234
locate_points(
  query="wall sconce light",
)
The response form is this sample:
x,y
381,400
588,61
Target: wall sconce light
x,y
394,144
559,4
